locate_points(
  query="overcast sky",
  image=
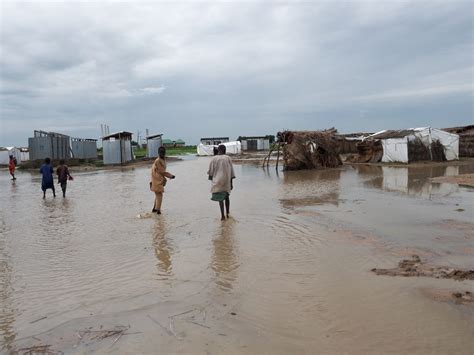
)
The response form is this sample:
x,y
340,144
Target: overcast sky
x,y
190,69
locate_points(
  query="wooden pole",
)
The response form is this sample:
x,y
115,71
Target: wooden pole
x,y
278,157
267,158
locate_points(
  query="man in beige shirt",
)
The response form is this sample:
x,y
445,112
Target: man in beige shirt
x,y
221,173
158,179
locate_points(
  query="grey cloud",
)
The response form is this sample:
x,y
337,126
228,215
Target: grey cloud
x,y
234,68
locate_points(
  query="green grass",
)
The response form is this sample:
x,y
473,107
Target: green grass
x,y
141,153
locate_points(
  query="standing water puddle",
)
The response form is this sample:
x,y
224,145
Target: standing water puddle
x,y
288,273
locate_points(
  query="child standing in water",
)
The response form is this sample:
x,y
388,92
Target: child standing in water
x,y
63,175
221,172
158,179
47,180
11,167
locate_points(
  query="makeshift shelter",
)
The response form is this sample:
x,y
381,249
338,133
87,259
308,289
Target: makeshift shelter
x,y
409,145
214,140
49,145
232,148
309,149
84,148
25,154
347,143
5,153
153,143
117,148
256,143
466,139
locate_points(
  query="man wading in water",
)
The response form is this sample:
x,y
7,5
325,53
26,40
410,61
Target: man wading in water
x,y
221,172
158,179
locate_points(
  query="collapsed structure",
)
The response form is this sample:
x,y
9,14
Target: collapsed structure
x,y
309,149
404,146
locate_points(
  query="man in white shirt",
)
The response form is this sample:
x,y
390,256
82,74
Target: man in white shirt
x,y
221,172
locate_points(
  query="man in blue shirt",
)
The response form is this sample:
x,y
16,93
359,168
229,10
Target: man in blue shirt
x,y
47,181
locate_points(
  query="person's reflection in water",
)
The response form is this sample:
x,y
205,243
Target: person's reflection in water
x,y
7,310
224,260
163,250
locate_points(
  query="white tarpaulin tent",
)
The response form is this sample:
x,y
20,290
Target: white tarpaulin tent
x,y
6,152
208,150
395,146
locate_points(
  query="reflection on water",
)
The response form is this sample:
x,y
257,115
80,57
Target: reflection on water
x,y
224,260
7,313
411,181
163,250
311,187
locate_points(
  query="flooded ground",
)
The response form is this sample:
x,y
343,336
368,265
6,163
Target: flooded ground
x,y
288,273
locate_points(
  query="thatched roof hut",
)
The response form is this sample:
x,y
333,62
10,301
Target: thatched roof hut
x,y
310,149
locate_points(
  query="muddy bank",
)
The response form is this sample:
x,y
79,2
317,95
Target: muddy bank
x,y
415,267
448,295
464,180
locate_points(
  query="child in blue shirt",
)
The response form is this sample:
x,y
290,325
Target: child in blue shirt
x,y
47,181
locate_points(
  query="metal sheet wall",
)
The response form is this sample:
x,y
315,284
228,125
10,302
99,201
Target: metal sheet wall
x,y
49,147
111,151
117,152
126,151
152,147
84,149
262,144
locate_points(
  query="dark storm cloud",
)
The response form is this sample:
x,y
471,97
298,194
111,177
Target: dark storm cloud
x,y
190,70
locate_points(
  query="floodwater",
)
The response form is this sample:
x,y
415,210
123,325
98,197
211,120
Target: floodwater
x,y
288,273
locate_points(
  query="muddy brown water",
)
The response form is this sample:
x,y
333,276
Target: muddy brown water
x,y
288,273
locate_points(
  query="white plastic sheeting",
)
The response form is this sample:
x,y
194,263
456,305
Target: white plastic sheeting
x,y
6,152
208,150
398,179
396,149
449,141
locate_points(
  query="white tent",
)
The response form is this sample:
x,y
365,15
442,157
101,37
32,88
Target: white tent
x,y
231,148
6,152
395,147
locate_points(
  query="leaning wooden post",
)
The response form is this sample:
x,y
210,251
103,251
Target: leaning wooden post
x,y
278,156
267,158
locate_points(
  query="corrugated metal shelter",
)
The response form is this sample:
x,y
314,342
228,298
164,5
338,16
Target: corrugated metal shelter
x,y
84,148
153,143
117,148
256,143
214,140
49,145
